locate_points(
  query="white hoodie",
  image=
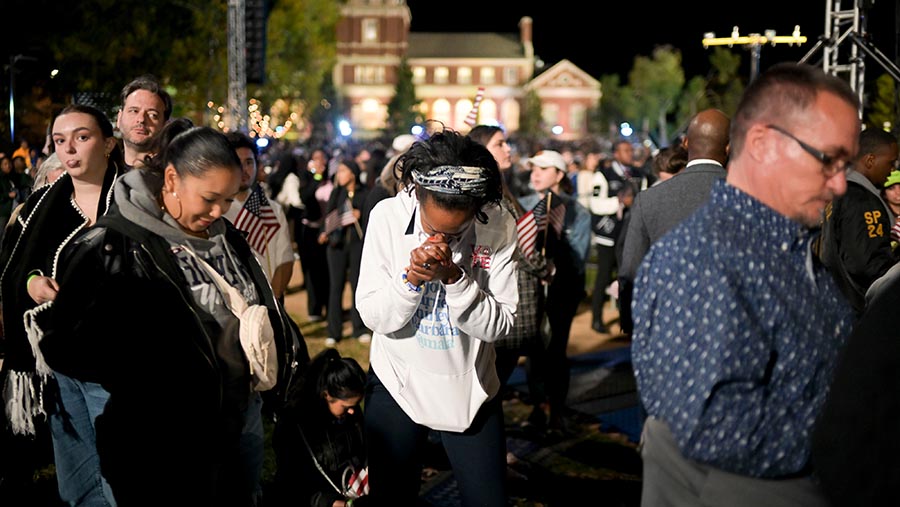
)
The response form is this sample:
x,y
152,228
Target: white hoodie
x,y
433,349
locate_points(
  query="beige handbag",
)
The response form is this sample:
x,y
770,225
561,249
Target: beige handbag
x,y
256,334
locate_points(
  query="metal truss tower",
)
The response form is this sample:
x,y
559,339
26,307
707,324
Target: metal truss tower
x,y
848,60
237,66
839,25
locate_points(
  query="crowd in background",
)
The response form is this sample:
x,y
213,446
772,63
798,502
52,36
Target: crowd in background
x,y
743,241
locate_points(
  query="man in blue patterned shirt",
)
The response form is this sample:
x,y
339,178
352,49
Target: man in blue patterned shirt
x,y
736,325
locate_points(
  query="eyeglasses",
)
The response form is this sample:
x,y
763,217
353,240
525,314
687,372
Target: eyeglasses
x,y
830,165
450,237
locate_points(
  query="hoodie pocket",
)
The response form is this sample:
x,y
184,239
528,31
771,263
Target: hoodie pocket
x,y
443,402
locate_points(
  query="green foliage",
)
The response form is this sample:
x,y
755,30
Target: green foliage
x,y
175,40
402,109
185,45
300,52
725,65
883,108
657,92
325,115
531,115
693,99
617,104
657,82
725,84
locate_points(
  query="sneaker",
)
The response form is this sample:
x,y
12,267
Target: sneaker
x,y
330,342
316,318
365,338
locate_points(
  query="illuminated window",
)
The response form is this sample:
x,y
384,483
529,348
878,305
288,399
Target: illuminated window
x,y
418,75
464,75
577,115
441,111
369,74
550,114
441,75
487,112
461,111
509,113
369,115
510,75
370,30
487,75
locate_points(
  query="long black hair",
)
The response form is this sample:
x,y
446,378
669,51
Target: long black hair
x,y
328,373
190,150
287,163
339,193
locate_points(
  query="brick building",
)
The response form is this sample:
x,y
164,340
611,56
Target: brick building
x,y
373,38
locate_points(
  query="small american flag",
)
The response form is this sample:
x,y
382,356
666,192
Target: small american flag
x,y
258,220
557,215
339,217
472,117
358,485
558,218
527,231
530,224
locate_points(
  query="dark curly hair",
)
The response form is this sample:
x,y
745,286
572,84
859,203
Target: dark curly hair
x,y
451,148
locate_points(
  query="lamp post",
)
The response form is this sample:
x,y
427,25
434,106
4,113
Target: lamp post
x,y
755,42
12,93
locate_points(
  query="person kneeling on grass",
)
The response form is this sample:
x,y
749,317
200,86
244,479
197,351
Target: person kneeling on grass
x,y
318,440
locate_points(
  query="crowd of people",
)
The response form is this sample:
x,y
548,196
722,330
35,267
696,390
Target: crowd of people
x,y
752,264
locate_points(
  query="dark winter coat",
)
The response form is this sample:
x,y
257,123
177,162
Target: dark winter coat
x,y
33,243
125,318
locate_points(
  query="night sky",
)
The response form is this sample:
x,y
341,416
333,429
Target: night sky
x,y
607,43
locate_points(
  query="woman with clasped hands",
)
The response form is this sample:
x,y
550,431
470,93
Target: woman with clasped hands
x,y
438,287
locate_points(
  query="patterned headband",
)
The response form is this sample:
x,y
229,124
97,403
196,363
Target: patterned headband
x,y
455,179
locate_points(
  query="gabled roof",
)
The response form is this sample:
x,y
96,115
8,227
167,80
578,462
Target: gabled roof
x,y
564,74
464,45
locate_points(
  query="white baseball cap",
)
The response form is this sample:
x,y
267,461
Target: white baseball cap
x,y
403,142
548,158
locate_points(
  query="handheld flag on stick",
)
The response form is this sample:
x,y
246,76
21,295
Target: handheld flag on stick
x,y
527,230
538,219
557,217
546,222
472,117
342,216
258,220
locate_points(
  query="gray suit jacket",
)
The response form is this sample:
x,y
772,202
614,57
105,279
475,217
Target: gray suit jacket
x,y
655,212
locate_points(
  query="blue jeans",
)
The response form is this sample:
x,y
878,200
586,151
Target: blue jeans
x,y
75,443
